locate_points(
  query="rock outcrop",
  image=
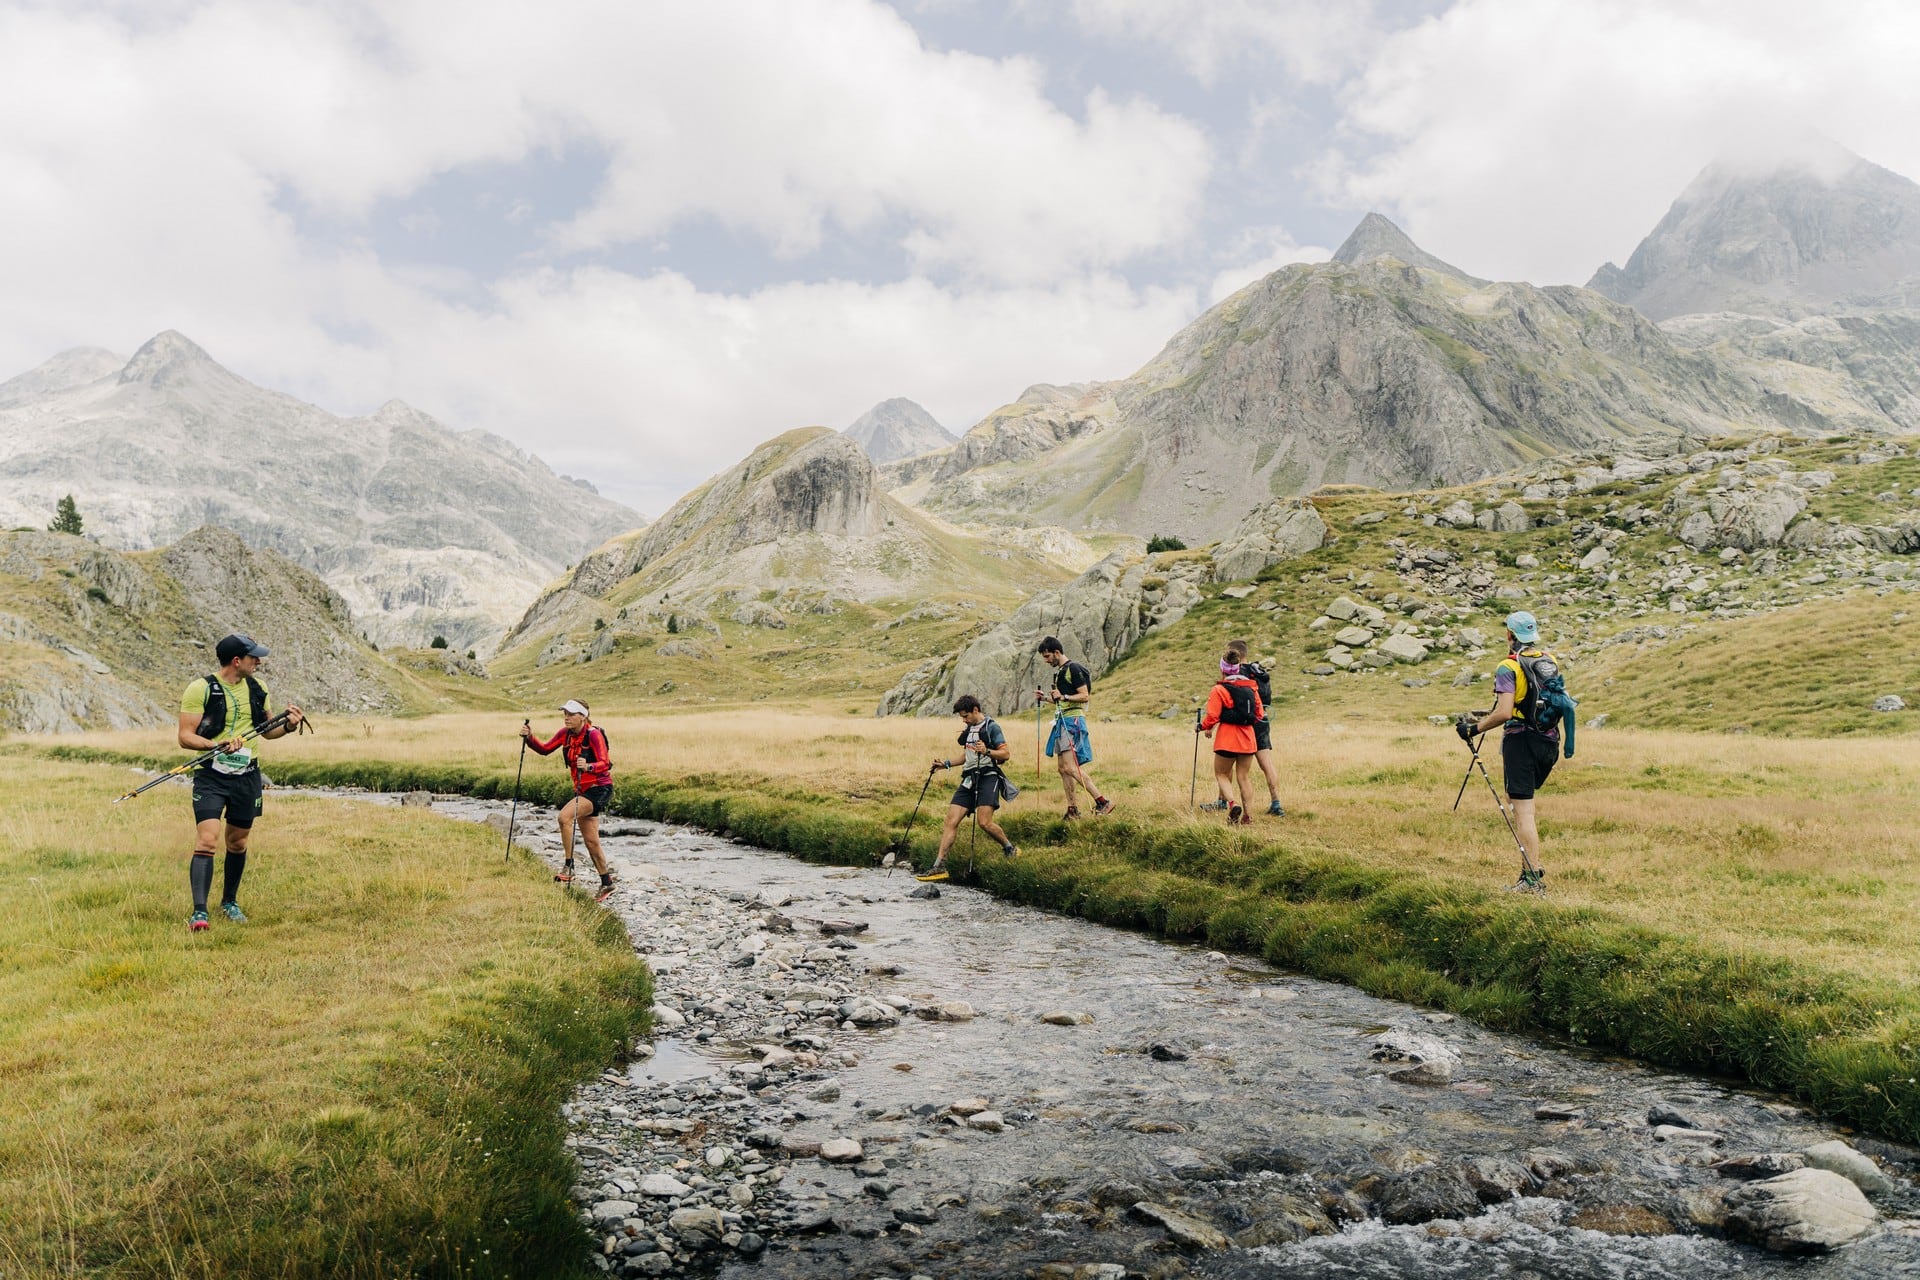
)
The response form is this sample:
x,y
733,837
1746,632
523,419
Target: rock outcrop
x,y
1278,531
423,530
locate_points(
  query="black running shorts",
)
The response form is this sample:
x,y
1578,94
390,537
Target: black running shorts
x,y
1262,736
598,798
1527,758
237,795
1233,755
982,791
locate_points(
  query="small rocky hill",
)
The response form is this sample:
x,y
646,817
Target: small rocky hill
x,y
1378,372
94,638
800,528
896,429
1823,233
423,530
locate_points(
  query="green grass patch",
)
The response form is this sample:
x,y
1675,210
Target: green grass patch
x,y
363,1081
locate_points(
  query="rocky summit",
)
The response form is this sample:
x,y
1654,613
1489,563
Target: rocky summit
x,y
421,529
1378,371
1825,232
896,429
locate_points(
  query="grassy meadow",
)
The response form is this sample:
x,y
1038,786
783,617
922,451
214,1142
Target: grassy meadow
x,y
364,1080
1725,903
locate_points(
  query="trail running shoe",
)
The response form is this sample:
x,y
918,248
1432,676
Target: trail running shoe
x,y
1234,814
938,871
1214,806
565,874
1073,811
1246,819
1529,882
233,912
604,892
199,923
1011,851
1275,811
1103,806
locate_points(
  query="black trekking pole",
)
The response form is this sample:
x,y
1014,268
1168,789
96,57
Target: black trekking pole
x,y
278,722
897,849
514,812
1193,782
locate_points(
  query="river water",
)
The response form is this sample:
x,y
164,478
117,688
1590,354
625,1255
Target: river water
x,y
1216,1087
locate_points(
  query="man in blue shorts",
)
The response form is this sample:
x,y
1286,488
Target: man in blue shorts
x,y
1070,745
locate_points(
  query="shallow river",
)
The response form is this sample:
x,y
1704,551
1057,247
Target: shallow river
x,y
1260,1113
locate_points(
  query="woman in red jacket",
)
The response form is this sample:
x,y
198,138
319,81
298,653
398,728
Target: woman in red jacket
x,y
1233,706
584,748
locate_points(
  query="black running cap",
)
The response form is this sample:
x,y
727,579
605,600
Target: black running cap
x,y
238,646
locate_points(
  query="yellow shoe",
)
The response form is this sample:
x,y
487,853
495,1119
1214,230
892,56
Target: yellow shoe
x,y
938,871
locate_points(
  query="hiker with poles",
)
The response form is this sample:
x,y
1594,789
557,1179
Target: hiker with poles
x,y
223,716
1070,744
1530,701
583,745
1237,651
1233,709
983,785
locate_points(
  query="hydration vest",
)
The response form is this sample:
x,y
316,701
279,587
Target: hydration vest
x,y
213,724
1242,705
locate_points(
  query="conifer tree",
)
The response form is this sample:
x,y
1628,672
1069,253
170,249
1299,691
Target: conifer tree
x,y
66,518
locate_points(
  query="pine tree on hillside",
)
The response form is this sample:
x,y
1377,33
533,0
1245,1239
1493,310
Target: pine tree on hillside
x,y
66,517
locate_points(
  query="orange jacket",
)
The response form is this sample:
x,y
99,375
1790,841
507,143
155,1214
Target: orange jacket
x,y
1231,737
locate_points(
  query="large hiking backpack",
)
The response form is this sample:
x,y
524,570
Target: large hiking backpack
x,y
1547,704
1262,680
1241,707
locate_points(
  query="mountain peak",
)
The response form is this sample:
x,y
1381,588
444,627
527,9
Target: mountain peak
x,y
1810,229
75,367
1378,237
898,428
168,359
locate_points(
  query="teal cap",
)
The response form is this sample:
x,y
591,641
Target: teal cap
x,y
1524,628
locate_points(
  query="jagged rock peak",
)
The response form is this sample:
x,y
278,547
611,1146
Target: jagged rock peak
x,y
1802,234
168,359
1378,237
898,428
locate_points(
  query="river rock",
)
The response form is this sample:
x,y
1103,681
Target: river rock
x,y
1806,1211
664,1185
1426,1194
611,1213
841,1151
1422,1059
969,1106
1495,1178
1861,1171
986,1121
1761,1165
1061,1018
1182,1228
864,1011
1674,1133
701,1226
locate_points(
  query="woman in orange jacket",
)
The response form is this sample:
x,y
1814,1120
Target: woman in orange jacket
x,y
1234,707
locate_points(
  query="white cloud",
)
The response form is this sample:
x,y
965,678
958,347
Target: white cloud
x,y
1314,41
1532,139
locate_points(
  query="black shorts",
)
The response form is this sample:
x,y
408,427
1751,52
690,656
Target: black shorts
x,y
238,795
1262,735
598,798
982,791
1233,755
1527,758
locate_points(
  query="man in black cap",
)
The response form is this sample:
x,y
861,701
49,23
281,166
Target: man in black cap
x,y
216,712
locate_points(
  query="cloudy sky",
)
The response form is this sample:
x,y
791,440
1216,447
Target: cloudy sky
x,y
641,236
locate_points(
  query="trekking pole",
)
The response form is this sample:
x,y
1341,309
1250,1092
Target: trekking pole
x,y
1193,782
514,812
1039,738
899,846
278,722
1526,863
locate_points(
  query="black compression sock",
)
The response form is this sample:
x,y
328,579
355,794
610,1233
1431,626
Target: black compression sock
x,y
234,868
200,876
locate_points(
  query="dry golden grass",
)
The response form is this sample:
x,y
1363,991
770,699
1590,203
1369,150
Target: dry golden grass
x,y
1801,849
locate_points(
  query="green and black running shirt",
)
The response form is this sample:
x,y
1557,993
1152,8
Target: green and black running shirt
x,y
239,720
1071,677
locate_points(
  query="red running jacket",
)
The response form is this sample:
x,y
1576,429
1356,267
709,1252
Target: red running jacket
x,y
586,756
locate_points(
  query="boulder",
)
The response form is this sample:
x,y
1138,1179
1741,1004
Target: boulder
x,y
1276,532
1421,1059
1837,1157
1353,637
1404,648
1182,1228
697,1226
1511,517
1889,702
1806,1211
1459,515
1426,1194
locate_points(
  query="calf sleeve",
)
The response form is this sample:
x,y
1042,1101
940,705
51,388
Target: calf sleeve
x,y
200,876
230,873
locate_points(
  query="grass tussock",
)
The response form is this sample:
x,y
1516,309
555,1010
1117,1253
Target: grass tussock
x,y
364,1081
